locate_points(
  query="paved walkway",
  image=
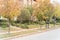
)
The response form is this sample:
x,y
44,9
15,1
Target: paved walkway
x,y
18,31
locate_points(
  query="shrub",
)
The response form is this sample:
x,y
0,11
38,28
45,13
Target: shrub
x,y
24,26
3,23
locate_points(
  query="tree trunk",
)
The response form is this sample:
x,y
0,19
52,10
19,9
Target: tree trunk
x,y
9,26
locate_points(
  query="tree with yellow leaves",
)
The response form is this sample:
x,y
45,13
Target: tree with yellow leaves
x,y
44,10
12,9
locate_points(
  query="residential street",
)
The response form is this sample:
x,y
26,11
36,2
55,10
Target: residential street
x,y
29,19
49,35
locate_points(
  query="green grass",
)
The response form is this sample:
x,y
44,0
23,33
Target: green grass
x,y
25,32
34,26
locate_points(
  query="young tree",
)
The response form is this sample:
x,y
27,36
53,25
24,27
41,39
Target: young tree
x,y
25,15
44,11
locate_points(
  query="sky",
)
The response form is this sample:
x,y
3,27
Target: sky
x,y
58,1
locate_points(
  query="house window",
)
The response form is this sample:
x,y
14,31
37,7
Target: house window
x,y
20,0
34,0
14,0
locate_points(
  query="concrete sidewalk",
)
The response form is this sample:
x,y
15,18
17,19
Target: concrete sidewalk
x,y
18,31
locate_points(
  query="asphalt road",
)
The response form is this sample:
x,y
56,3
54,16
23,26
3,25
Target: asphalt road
x,y
49,35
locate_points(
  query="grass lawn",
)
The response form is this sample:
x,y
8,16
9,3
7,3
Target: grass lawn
x,y
11,29
24,32
31,26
